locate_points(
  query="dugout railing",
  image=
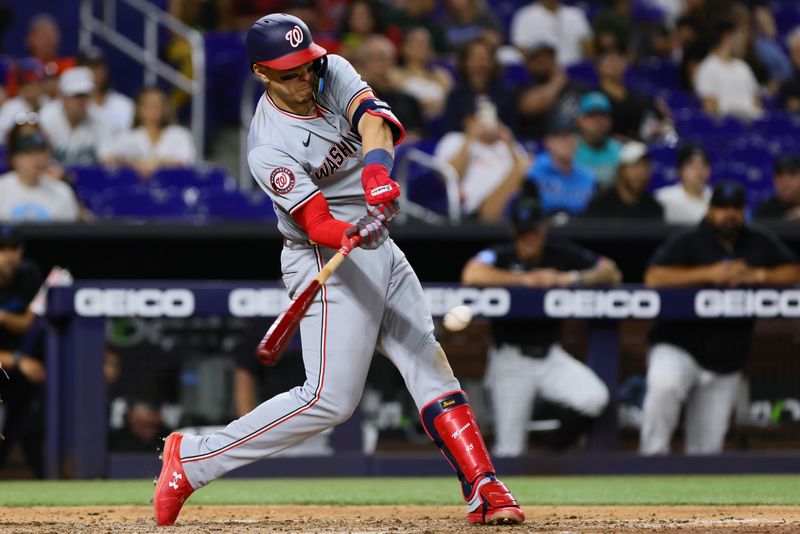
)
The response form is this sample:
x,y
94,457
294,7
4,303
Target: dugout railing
x,y
77,409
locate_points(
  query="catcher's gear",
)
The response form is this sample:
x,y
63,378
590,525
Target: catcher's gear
x,y
379,188
372,231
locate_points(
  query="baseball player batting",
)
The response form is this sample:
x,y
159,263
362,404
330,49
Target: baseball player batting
x,y
321,146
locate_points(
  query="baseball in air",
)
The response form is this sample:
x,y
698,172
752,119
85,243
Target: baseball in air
x,y
457,318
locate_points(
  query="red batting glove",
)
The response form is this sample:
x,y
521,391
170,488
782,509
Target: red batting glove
x,y
379,188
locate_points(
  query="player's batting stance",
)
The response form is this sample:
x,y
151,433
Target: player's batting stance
x,y
321,146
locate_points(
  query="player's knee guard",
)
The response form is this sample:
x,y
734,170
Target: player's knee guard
x,y
451,424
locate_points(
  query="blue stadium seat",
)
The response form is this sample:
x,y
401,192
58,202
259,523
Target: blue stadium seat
x,y
144,202
91,180
182,177
583,72
234,205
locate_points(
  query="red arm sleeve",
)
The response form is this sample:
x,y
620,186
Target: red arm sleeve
x,y
316,219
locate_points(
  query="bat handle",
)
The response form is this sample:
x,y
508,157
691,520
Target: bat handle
x,y
334,262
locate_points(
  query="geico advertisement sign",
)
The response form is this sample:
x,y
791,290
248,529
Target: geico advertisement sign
x,y
251,302
94,302
747,303
609,304
488,302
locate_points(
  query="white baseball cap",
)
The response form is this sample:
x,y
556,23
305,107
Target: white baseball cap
x,y
632,152
76,81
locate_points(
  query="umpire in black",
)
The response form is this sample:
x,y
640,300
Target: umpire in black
x,y
526,360
699,362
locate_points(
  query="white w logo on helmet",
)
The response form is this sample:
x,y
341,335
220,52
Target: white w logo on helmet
x,y
295,36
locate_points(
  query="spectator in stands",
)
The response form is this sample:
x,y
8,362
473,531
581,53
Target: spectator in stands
x,y
763,54
550,93
789,95
20,353
479,76
526,361
695,362
725,83
489,163
786,202
414,13
565,26
633,114
627,198
155,141
562,185
430,84
376,61
143,429
29,74
27,192
597,151
116,108
469,19
687,201
614,27
79,134
43,42
361,21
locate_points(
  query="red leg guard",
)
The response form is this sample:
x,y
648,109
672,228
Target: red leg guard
x,y
451,424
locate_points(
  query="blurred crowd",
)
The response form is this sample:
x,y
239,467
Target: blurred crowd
x,y
566,100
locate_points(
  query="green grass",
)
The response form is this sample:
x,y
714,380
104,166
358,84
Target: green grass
x,y
605,490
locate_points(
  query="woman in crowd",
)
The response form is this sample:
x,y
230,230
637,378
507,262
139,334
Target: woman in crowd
x,y
419,77
155,141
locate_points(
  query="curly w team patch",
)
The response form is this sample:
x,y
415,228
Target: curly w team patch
x,y
282,180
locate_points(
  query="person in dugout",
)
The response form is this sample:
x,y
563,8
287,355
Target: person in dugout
x,y
526,360
698,363
21,354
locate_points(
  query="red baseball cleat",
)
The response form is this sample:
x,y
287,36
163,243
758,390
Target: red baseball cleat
x,y
493,504
172,488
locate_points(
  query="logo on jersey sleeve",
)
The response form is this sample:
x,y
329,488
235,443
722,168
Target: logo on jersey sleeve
x,y
282,180
295,36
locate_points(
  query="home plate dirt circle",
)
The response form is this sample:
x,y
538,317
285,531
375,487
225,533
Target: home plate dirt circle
x,y
391,519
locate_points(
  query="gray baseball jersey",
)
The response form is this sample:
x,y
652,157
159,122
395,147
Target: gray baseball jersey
x,y
374,300
293,157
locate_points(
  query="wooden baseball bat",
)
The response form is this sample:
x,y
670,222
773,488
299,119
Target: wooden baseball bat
x,y
271,348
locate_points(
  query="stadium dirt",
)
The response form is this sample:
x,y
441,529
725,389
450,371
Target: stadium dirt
x,y
391,519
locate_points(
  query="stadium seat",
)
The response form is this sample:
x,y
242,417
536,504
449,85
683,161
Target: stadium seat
x,y
93,180
583,72
144,202
234,205
182,177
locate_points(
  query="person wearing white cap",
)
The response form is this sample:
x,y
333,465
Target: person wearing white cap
x,y
78,134
628,198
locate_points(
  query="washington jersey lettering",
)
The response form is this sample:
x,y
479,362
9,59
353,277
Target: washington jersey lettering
x,y
293,157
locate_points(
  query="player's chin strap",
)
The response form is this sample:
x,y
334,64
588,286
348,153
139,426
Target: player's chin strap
x,y
450,422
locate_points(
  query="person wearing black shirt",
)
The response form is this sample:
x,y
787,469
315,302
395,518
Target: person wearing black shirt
x,y
526,360
786,202
627,198
21,355
699,362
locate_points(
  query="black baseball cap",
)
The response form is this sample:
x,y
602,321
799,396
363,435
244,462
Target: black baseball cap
x,y
560,124
728,194
29,142
92,55
787,165
9,236
527,214
690,150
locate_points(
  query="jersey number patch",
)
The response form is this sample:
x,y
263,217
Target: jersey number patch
x,y
282,180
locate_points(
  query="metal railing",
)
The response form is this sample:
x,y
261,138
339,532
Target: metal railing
x,y
104,26
444,171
